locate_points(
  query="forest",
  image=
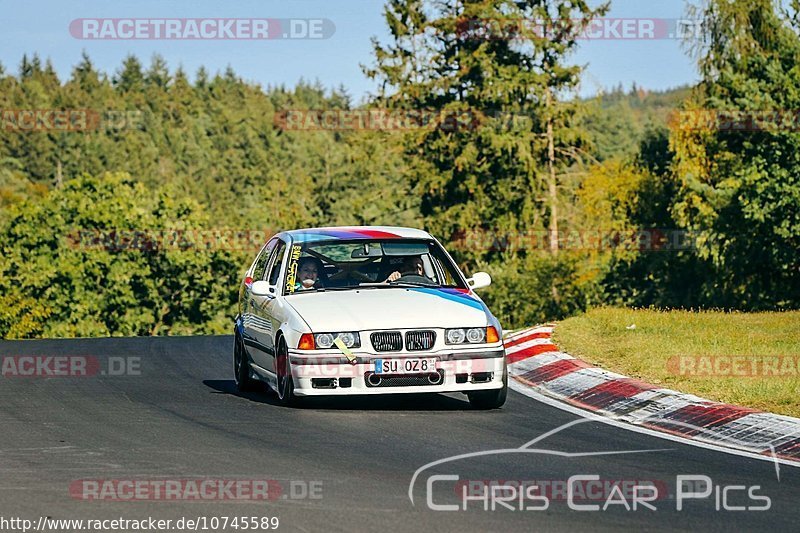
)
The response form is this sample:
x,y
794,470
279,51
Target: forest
x,y
131,202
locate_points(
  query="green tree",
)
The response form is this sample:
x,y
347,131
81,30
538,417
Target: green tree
x,y
130,77
488,170
739,191
70,251
506,136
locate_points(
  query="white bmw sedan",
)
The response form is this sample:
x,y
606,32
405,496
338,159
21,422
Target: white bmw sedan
x,y
365,310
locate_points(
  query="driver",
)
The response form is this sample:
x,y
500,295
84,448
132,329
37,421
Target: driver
x,y
411,266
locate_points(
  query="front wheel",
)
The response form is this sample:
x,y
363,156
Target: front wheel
x,y
283,368
490,399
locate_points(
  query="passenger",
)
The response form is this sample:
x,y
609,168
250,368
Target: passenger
x,y
308,274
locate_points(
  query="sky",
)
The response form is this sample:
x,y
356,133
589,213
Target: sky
x,y
44,27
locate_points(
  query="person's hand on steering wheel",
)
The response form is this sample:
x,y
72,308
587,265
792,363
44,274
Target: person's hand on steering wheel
x,y
394,276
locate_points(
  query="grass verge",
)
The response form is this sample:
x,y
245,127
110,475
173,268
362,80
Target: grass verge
x,y
748,359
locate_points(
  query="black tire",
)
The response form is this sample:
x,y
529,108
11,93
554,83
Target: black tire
x,y
241,367
283,372
490,399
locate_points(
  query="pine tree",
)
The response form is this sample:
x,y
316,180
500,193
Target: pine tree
x,y
201,78
85,75
25,68
158,73
494,168
130,78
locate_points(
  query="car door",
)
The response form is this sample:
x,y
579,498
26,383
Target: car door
x,y
266,308
250,319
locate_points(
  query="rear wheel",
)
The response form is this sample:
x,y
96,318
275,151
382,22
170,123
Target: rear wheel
x,y
241,366
490,399
283,370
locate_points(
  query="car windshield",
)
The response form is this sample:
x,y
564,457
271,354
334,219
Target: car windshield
x,y
365,263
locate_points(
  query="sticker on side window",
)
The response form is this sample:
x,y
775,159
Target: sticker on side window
x,y
291,273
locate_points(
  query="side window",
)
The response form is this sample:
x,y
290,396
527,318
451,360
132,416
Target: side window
x,y
448,279
261,261
277,263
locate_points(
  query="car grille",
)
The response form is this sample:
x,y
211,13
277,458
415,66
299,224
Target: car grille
x,y
418,380
387,341
420,340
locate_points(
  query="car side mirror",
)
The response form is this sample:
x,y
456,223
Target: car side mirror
x,y
479,280
263,288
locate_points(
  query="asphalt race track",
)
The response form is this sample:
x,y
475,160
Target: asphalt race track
x,y
181,418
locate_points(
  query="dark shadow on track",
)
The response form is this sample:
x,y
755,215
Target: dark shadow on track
x,y
228,386
393,402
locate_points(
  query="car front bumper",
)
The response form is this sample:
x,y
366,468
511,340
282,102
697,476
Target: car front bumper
x,y
332,374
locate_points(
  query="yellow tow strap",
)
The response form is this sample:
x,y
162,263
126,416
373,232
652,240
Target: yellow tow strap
x,y
345,350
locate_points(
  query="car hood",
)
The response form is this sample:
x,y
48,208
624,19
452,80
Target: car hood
x,y
395,308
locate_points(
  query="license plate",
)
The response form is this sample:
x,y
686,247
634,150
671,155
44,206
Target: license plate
x,y
405,366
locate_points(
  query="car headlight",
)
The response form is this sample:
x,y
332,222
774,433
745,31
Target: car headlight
x,y
475,335
471,335
349,339
324,341
455,336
